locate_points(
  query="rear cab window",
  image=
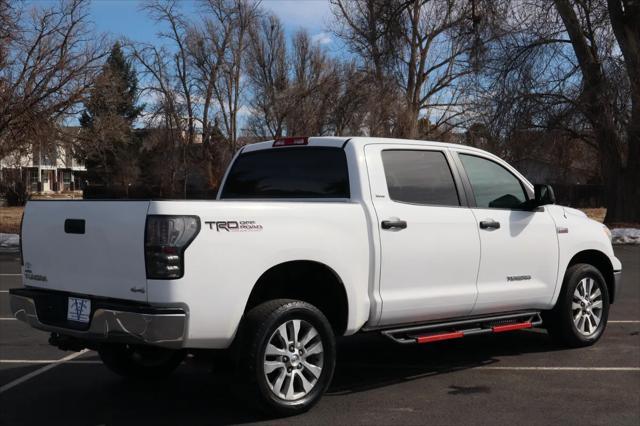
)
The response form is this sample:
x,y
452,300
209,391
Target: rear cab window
x,y
296,172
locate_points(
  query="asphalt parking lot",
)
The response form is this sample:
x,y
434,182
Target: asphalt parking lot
x,y
515,378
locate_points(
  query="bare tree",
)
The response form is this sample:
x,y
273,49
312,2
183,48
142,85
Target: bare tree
x,y
170,80
238,17
165,110
298,89
421,45
166,11
352,100
618,137
197,80
48,59
371,31
313,87
9,16
268,72
563,69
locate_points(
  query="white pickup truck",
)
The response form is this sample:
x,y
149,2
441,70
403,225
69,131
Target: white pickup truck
x,y
309,239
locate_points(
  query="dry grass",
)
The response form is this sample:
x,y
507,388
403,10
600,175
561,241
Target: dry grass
x,y
10,219
10,216
75,195
596,214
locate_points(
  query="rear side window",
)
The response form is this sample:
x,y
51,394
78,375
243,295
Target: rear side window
x,y
308,172
493,185
419,177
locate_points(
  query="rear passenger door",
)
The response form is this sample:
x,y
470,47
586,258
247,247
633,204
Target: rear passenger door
x,y
519,246
430,248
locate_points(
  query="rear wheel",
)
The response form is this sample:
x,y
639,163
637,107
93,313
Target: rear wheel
x,y
286,353
582,310
137,361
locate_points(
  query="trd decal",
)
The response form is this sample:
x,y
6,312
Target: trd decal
x,y
234,225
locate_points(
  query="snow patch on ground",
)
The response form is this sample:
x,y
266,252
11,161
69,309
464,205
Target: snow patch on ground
x,y
625,236
9,240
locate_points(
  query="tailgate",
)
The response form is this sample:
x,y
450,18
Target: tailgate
x,y
86,247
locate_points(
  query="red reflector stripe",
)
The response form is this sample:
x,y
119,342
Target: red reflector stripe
x,y
437,337
291,141
509,327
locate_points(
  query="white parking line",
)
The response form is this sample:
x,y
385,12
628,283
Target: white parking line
x,y
561,368
516,368
7,319
41,370
10,275
497,368
44,361
4,291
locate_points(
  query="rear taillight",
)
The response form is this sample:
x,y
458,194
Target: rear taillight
x,y
166,238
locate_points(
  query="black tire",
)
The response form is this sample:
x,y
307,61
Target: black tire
x,y
257,331
560,320
140,362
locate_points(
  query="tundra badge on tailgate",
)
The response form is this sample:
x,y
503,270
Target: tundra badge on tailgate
x,y
31,276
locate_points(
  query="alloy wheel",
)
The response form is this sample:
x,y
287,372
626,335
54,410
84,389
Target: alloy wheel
x,y
293,359
586,306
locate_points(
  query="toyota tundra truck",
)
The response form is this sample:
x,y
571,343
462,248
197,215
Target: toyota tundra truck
x,y
309,239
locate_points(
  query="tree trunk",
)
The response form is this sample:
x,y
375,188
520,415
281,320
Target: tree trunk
x,y
622,182
624,207
619,162
409,126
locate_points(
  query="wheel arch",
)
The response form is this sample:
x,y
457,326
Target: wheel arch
x,y
600,261
307,280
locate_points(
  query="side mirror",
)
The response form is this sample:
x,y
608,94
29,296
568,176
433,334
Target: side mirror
x,y
544,195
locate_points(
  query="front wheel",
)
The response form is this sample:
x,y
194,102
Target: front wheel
x,y
137,361
286,352
582,310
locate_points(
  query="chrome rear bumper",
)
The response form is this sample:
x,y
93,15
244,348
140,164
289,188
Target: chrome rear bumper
x,y
166,329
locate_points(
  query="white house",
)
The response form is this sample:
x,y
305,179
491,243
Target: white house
x,y
45,170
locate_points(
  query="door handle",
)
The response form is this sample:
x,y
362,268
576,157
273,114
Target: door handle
x,y
489,224
394,224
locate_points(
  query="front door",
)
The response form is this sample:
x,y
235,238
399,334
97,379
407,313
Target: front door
x,y
519,247
430,248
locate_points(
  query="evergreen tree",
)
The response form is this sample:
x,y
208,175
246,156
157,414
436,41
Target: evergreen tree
x,y
110,146
115,91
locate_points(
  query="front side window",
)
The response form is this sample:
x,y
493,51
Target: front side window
x,y
493,185
419,177
309,172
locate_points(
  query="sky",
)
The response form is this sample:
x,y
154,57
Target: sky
x,y
122,18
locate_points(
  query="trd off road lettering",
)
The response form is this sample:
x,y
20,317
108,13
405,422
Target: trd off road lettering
x,y
150,281
227,225
234,226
